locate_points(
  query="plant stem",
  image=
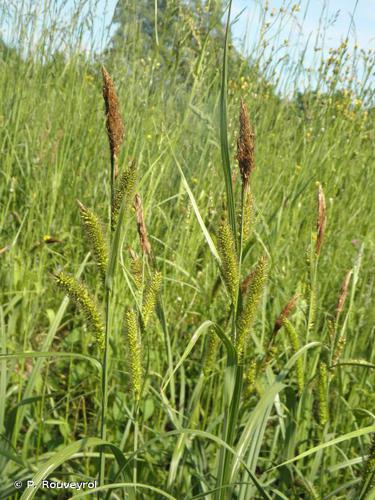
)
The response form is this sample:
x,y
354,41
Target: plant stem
x,y
108,296
103,429
229,433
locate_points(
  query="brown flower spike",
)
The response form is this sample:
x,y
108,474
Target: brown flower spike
x,y
141,226
343,293
285,313
115,126
245,145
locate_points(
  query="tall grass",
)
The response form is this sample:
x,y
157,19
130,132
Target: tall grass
x,y
221,407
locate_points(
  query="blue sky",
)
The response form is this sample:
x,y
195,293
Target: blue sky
x,y
341,15
304,21
338,12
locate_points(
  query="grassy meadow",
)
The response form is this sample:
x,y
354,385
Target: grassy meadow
x,y
218,340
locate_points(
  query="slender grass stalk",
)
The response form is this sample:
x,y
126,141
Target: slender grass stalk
x,y
115,132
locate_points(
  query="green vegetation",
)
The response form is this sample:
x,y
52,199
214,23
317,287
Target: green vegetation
x,y
217,337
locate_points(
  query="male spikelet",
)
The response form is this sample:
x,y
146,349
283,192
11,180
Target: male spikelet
x,y
294,342
368,476
248,313
213,343
245,146
150,296
246,283
271,349
343,294
227,250
323,393
321,219
114,124
124,191
134,352
79,294
94,233
285,313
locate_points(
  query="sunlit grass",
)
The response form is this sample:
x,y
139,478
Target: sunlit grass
x,y
55,151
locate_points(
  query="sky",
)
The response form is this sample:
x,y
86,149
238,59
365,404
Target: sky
x,y
300,22
358,15
338,12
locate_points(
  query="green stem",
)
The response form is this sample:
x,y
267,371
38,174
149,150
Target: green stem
x,y
103,429
229,434
108,294
135,447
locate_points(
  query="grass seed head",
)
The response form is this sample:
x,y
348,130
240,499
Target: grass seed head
x,y
323,393
79,294
95,237
115,126
228,255
134,352
250,376
248,313
150,297
245,145
124,191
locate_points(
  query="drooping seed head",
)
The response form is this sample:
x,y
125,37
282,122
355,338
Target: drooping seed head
x,y
95,237
79,294
245,145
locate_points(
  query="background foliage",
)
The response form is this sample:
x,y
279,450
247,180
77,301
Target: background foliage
x,y
166,65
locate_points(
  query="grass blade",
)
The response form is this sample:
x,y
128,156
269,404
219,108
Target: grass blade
x,y
225,156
